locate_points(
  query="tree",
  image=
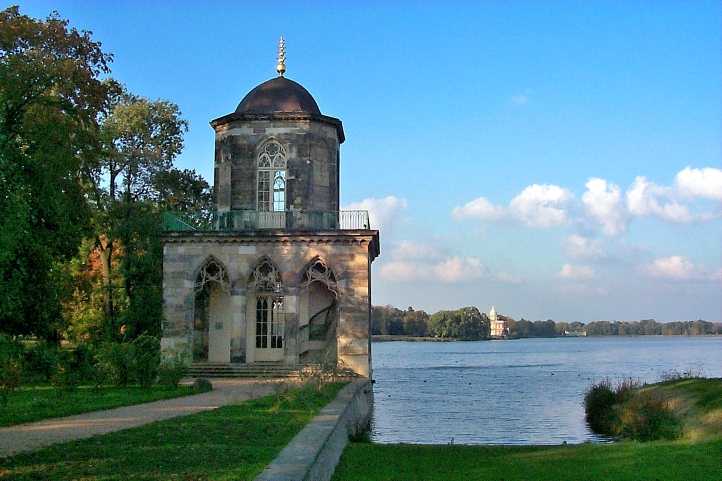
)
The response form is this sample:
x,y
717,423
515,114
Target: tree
x,y
50,99
141,138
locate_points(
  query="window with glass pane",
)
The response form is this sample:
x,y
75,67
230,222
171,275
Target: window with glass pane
x,y
277,326
262,322
279,191
271,186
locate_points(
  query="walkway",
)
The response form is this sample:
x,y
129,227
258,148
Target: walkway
x,y
31,436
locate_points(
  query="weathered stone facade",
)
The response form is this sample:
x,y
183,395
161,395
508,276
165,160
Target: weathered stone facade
x,y
312,303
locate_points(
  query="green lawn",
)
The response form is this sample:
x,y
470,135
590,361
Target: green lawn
x,y
36,403
629,461
230,443
697,456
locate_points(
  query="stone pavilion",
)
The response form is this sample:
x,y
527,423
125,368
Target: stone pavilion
x,y
277,275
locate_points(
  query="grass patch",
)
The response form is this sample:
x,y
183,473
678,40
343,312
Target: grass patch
x,y
627,461
37,403
230,443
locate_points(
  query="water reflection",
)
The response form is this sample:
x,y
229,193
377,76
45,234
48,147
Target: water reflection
x,y
526,391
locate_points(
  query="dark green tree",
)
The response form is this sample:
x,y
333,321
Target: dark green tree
x,y
51,97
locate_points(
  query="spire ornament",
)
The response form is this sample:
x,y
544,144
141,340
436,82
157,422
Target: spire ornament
x,y
281,66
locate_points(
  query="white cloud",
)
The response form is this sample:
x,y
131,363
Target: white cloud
x,y
415,250
706,182
603,203
449,270
647,198
576,272
541,205
580,247
520,99
479,208
383,211
410,261
679,268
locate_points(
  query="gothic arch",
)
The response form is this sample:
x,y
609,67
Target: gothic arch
x,y
317,270
265,276
211,270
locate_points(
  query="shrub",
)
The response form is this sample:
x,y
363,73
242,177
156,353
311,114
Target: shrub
x,y
115,359
599,403
83,361
41,361
146,359
11,367
647,416
172,369
202,385
65,378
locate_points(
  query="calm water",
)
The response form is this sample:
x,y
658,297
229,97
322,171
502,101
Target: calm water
x,y
526,391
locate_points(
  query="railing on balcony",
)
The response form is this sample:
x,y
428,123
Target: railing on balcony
x,y
244,220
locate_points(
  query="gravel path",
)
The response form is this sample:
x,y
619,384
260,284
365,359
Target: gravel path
x,y
31,436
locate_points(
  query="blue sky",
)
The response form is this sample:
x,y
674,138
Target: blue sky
x,y
518,104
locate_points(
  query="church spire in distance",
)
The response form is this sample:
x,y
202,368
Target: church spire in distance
x,y
281,66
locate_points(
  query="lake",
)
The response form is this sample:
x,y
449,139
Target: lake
x,y
525,391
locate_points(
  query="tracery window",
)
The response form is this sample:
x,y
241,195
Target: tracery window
x,y
318,271
212,271
265,277
271,187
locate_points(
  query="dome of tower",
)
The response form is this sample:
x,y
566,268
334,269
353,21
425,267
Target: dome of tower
x,y
278,95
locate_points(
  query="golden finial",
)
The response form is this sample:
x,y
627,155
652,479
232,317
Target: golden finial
x,y
281,67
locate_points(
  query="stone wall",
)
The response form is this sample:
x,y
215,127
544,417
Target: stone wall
x,y
312,153
348,254
312,455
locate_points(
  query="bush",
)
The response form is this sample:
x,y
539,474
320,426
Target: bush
x,y
629,411
65,378
172,369
41,361
648,417
11,367
202,385
599,401
146,359
115,360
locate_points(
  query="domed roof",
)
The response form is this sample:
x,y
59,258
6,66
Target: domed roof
x,y
278,95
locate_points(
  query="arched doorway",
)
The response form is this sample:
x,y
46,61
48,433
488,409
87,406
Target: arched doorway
x,y
266,314
212,314
319,316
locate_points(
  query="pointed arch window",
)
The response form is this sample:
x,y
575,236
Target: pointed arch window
x,y
271,187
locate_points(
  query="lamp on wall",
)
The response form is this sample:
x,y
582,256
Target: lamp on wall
x,y
277,297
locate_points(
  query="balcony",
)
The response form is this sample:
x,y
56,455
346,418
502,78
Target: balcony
x,y
250,220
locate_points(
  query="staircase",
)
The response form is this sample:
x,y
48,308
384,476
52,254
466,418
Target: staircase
x,y
256,370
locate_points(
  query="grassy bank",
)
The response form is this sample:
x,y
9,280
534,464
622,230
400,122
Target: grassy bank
x,y
230,443
697,455
37,403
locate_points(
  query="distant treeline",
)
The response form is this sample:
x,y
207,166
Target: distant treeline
x,y
470,323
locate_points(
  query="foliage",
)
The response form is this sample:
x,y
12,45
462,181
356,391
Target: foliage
x,y
199,446
599,402
115,359
50,99
10,367
146,359
388,320
465,323
172,369
629,410
41,361
647,416
35,404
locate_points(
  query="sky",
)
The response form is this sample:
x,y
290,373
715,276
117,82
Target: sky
x,y
555,159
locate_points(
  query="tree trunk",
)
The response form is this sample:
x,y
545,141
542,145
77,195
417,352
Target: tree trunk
x,y
106,261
